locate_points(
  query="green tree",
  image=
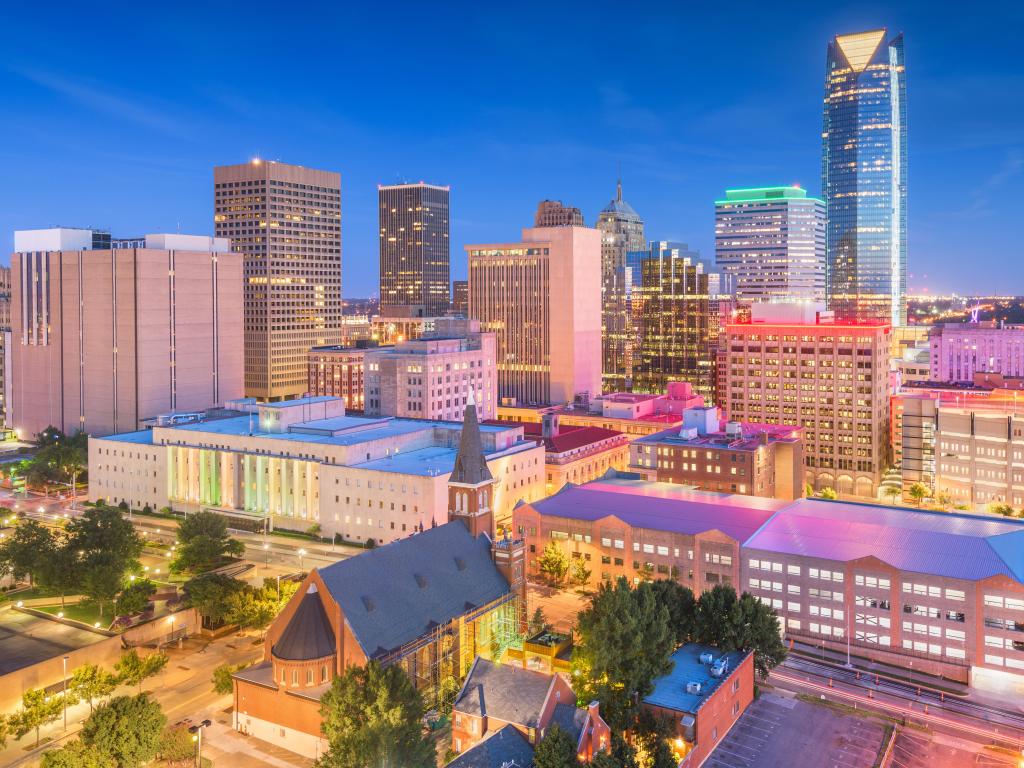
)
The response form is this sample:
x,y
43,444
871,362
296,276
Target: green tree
x,y
893,492
203,542
90,682
222,683
76,754
252,608
553,564
210,594
26,551
127,728
447,691
372,717
5,728
828,493
134,598
60,571
177,746
681,605
580,572
944,500
101,582
918,492
624,642
743,623
37,709
999,508
556,750
605,759
132,669
650,736
538,621
808,490
106,540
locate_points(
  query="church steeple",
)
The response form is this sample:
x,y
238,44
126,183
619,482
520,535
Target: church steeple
x,y
470,487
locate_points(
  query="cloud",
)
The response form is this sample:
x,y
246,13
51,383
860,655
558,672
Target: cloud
x,y
980,204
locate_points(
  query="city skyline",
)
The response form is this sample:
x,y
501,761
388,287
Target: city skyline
x,y
680,134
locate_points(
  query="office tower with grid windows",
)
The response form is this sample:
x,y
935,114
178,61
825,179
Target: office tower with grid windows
x,y
864,177
286,222
552,213
415,255
770,244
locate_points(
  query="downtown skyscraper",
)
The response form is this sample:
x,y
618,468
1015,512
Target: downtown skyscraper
x,y
864,176
286,221
415,252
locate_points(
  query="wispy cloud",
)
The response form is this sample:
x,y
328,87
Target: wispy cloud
x,y
99,99
980,202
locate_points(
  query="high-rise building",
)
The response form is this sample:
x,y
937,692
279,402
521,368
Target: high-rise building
x,y
286,222
864,177
672,310
414,250
5,343
960,350
551,213
770,244
460,297
104,339
542,299
622,231
792,364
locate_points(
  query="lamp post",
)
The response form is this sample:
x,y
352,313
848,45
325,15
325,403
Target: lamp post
x,y
266,551
302,553
197,736
66,692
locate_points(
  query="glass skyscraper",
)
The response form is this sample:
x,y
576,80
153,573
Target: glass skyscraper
x,y
864,176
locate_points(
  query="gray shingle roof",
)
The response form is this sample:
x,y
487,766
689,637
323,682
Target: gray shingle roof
x,y
308,635
470,463
504,691
570,719
507,748
396,593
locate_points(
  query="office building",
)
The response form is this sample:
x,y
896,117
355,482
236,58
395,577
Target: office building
x,y
460,298
770,244
711,454
672,310
541,297
792,364
301,462
434,376
864,177
622,231
960,350
5,345
105,339
286,222
415,252
339,371
551,213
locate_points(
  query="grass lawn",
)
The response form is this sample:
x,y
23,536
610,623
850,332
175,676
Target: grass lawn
x,y
87,613
27,594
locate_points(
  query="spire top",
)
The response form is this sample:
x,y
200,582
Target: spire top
x,y
618,184
470,462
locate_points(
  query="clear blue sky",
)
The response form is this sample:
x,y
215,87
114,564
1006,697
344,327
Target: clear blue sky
x,y
114,114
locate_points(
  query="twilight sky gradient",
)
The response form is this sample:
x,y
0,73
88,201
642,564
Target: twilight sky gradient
x,y
114,117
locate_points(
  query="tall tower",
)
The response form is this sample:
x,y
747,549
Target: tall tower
x,y
286,222
415,256
864,177
622,231
471,485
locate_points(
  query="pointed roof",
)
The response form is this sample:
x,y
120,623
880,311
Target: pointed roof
x,y
619,207
308,635
470,463
859,48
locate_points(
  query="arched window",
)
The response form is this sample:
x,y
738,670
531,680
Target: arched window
x,y
309,676
458,502
323,674
295,677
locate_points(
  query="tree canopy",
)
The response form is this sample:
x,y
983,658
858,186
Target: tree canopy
x,y
742,623
26,551
90,682
553,563
129,729
372,717
76,754
555,750
203,542
132,669
38,708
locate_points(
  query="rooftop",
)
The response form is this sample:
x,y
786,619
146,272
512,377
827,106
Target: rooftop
x,y
751,437
765,195
504,691
569,438
26,639
505,748
670,691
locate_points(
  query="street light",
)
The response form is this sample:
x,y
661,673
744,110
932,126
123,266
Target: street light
x,y
66,693
197,736
266,550
302,553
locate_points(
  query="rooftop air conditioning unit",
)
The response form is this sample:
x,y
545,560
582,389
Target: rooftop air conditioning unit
x,y
693,687
719,667
707,658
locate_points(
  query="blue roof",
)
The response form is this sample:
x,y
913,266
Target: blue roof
x,y
298,401
670,690
142,437
426,462
958,546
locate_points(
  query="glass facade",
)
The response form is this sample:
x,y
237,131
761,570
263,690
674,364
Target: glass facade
x,y
864,177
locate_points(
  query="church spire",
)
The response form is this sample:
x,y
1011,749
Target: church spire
x,y
470,462
618,186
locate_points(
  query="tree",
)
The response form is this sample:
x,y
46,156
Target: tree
x,y
177,746
252,608
681,605
944,500
101,582
580,572
372,717
60,572
623,643
555,750
76,754
999,508
222,682
447,691
893,491
128,728
5,728
538,622
210,594
90,682
918,492
203,542
25,552
132,669
828,493
605,759
134,598
106,540
808,490
650,737
744,623
37,709
553,564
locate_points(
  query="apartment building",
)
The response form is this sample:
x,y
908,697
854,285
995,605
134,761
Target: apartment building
x,y
792,364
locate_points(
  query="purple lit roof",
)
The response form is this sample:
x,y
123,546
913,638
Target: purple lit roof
x,y
663,507
938,543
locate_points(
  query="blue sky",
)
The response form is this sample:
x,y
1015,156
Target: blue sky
x,y
115,116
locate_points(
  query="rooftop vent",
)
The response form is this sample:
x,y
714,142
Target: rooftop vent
x,y
707,658
421,580
460,563
368,603
693,687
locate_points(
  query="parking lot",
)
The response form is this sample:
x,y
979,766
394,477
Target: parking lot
x,y
919,750
781,732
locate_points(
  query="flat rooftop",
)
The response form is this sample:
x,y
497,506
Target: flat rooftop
x,y
750,438
670,691
26,640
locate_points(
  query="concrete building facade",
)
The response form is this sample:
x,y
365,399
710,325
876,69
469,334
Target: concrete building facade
x,y
104,339
552,213
285,220
338,371
960,350
415,252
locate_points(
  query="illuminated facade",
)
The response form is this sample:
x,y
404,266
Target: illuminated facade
x,y
286,221
414,250
337,371
770,244
960,350
622,231
864,176
552,213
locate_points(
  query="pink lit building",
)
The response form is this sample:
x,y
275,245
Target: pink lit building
x,y
959,350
